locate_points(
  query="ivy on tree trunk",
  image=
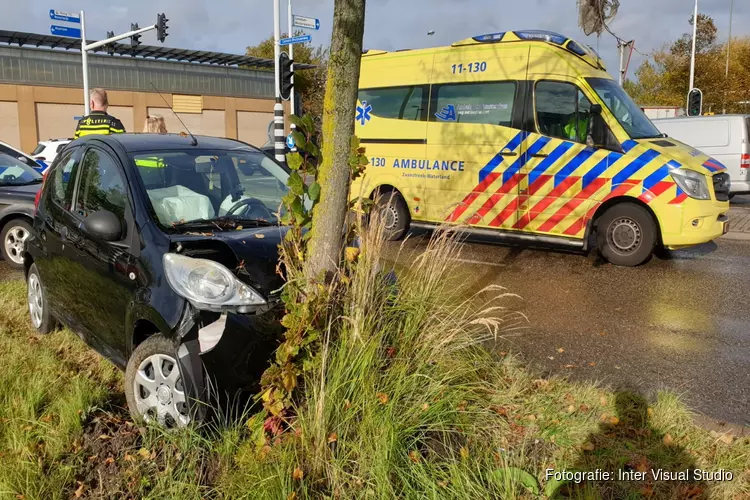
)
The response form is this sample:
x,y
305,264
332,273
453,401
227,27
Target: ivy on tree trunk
x,y
339,108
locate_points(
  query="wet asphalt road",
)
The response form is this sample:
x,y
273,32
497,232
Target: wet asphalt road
x,y
680,322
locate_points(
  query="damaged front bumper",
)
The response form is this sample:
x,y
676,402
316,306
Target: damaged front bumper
x,y
223,355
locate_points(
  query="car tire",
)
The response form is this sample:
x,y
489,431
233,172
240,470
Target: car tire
x,y
394,214
626,235
12,236
154,387
41,319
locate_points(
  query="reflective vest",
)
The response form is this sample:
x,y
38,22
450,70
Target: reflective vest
x,y
98,122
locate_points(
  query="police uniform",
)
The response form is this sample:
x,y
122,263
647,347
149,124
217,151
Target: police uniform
x,y
98,122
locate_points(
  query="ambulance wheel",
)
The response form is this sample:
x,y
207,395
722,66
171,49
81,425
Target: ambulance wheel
x,y
626,235
393,213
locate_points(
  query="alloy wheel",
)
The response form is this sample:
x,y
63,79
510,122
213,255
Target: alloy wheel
x,y
14,239
36,300
160,393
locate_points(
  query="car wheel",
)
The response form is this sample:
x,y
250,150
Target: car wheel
x,y
154,386
41,319
626,235
394,214
13,235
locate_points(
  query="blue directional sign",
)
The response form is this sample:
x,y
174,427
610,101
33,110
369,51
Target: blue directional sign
x,y
290,141
309,23
65,31
295,39
64,16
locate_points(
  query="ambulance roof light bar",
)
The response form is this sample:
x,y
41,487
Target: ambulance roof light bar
x,y
490,37
547,36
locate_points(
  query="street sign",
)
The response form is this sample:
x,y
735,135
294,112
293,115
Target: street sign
x,y
290,141
65,31
309,23
295,39
58,15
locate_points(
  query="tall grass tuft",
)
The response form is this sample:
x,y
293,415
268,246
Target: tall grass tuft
x,y
400,402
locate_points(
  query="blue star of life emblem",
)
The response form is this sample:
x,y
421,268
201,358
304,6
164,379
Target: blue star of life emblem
x,y
363,113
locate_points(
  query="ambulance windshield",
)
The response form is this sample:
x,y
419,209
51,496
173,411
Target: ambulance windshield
x,y
630,116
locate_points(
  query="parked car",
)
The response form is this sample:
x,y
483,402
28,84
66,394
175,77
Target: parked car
x,y
38,165
161,254
19,184
47,151
723,137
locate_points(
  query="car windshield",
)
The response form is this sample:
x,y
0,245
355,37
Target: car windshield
x,y
631,117
38,149
205,185
13,172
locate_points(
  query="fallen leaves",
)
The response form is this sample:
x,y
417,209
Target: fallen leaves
x,y
571,409
382,397
592,363
667,440
79,491
260,236
414,456
603,400
297,475
725,438
588,446
351,254
333,437
560,350
464,451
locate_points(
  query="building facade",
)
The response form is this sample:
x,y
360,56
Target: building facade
x,y
41,94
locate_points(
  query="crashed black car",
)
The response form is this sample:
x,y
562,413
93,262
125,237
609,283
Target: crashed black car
x,y
160,251
19,184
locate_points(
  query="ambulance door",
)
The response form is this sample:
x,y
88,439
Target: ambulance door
x,y
471,145
391,121
563,175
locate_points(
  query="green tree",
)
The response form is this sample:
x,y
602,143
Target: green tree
x,y
663,80
310,83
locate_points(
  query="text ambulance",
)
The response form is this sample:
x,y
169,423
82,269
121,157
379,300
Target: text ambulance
x,y
524,135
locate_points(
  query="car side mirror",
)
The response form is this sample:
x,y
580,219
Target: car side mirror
x,y
103,225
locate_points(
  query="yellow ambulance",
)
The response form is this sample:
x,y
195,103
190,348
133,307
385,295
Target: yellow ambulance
x,y
523,135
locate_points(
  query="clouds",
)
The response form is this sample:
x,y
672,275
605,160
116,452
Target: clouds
x,y
230,25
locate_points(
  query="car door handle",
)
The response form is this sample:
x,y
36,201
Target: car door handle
x,y
539,155
508,152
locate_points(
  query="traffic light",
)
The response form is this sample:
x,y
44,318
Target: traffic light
x,y
286,73
695,102
135,40
110,46
161,27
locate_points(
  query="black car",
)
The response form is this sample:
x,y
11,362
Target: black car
x,y
19,184
161,251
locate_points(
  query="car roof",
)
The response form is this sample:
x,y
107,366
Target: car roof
x,y
165,142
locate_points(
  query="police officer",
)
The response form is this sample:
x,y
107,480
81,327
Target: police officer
x,y
98,121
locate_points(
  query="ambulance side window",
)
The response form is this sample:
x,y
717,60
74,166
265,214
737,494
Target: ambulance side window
x,y
562,111
400,103
485,103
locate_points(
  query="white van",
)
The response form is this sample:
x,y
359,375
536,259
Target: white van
x,y
725,138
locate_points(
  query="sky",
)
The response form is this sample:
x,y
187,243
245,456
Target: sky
x,y
231,25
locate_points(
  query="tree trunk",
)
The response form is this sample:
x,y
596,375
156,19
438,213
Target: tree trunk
x,y
339,108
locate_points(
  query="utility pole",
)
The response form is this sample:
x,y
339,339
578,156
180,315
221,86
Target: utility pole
x,y
692,57
726,72
85,63
292,107
278,108
621,45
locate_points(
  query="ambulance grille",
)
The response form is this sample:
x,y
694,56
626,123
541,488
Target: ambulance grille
x,y
721,186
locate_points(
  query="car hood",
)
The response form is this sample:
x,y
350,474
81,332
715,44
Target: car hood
x,y
686,156
20,193
252,253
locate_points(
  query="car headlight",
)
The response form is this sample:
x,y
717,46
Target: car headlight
x,y
208,285
693,183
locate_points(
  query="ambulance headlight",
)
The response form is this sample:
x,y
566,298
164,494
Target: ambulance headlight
x,y
693,183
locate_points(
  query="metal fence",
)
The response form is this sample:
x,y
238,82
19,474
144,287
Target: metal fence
x,y
29,66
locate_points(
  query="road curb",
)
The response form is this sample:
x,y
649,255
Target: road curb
x,y
736,236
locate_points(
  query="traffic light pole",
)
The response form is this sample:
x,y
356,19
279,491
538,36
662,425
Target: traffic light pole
x,y
278,108
91,46
292,102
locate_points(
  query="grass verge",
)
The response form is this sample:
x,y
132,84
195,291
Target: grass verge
x,y
404,401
